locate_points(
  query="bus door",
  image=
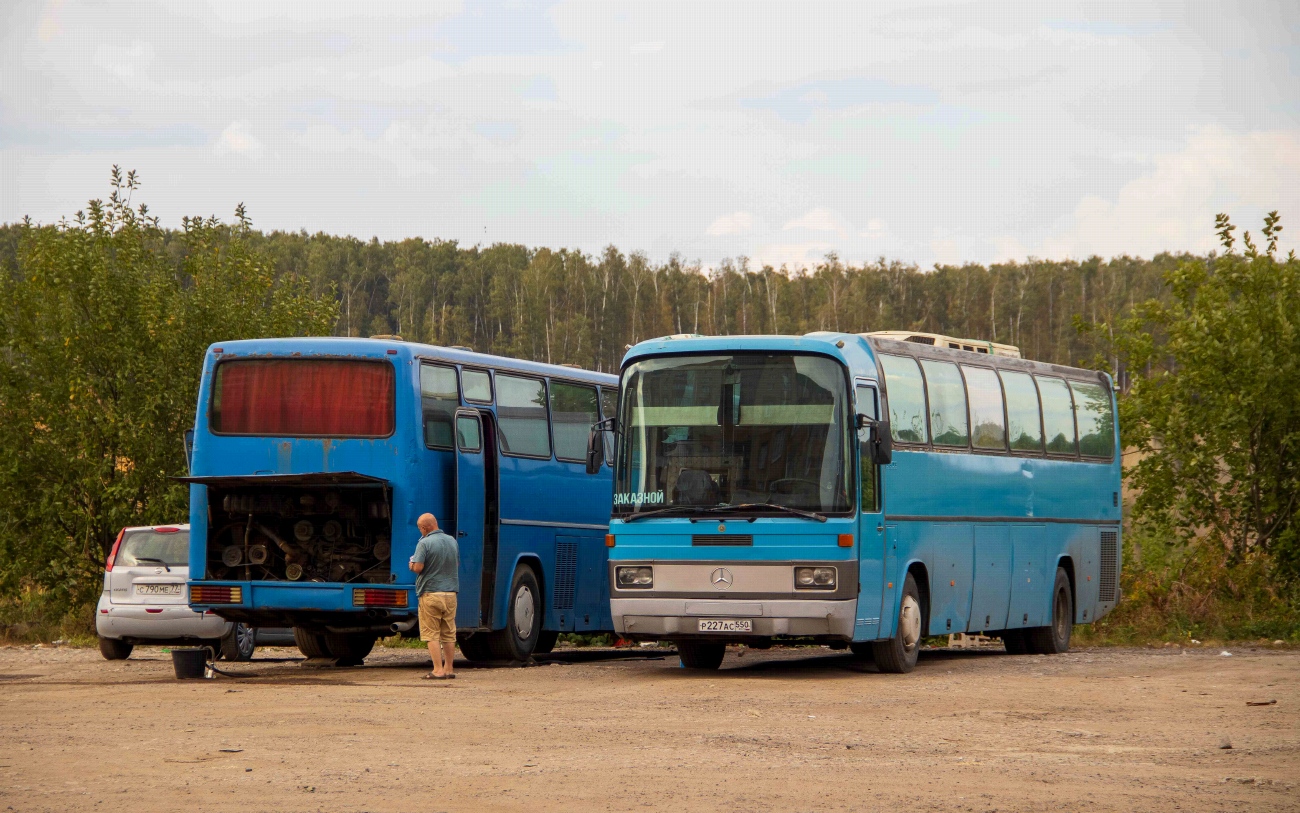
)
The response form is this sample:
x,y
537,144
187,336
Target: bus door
x,y
871,525
471,512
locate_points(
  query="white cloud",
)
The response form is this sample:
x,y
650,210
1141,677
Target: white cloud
x,y
819,219
734,223
647,48
237,140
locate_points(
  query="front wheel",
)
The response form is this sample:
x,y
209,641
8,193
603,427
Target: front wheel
x,y
701,654
311,643
114,650
1055,638
898,654
350,648
239,643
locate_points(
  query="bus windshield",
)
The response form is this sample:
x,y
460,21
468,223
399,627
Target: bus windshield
x,y
738,429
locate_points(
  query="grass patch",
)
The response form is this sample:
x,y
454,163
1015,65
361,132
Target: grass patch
x,y
41,616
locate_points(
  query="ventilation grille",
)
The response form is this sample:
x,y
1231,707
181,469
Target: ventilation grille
x,y
741,540
1109,555
566,571
920,339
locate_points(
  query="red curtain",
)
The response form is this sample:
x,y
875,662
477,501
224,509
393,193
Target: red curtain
x,y
302,397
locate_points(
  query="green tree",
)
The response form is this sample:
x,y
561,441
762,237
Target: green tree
x,y
102,333
1217,420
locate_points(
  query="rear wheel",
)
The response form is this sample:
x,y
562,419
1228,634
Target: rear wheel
x,y
114,650
239,643
475,647
898,654
311,643
701,654
1055,637
518,640
350,648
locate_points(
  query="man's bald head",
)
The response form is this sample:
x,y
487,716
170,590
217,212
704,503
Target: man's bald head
x,y
427,523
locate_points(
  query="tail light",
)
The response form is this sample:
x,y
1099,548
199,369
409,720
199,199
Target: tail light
x,y
112,555
166,529
367,597
216,594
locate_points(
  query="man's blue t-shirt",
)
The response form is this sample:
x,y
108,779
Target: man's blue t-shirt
x,y
441,559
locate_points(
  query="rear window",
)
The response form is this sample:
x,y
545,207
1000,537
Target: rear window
x,y
151,547
340,398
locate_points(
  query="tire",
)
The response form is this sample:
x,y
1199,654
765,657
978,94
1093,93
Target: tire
x,y
239,643
546,640
898,654
518,640
311,643
1054,639
1014,642
114,650
475,647
701,654
350,648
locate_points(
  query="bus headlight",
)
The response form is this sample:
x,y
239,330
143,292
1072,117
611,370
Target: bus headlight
x,y
635,577
814,578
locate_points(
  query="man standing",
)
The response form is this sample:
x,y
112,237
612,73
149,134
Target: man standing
x,y
436,563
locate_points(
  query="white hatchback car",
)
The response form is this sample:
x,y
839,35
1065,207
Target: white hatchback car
x,y
144,599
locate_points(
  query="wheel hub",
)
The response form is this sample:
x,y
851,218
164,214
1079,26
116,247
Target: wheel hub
x,y
524,612
909,623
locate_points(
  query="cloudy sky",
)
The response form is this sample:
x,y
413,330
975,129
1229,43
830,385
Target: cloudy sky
x,y
923,132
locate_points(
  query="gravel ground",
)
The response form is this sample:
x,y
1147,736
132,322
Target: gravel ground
x,y
786,729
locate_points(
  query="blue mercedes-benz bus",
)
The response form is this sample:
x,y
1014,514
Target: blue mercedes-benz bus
x,y
861,492
312,459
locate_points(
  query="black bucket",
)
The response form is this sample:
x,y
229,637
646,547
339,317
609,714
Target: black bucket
x,y
189,662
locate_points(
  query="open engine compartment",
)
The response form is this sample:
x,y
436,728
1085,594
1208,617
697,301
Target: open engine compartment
x,y
310,533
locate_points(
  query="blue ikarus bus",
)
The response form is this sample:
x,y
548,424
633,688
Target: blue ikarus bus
x,y
858,491
312,459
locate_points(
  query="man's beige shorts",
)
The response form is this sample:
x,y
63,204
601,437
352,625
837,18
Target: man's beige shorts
x,y
438,617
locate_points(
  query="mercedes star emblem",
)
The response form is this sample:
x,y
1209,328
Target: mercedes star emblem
x,y
721,579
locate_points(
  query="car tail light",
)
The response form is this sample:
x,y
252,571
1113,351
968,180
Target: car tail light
x,y
166,529
368,597
216,594
112,556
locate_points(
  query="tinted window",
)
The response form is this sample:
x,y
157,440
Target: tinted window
x,y
1022,412
609,408
866,405
986,422
303,398
521,414
1058,415
573,411
438,402
1096,421
478,386
171,549
906,399
469,433
947,403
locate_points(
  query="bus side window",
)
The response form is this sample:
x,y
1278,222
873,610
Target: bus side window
x,y
573,411
438,401
1096,421
521,415
870,493
608,409
906,399
988,429
1058,416
947,403
1024,421
478,386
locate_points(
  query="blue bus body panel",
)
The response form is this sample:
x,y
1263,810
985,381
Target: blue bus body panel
x,y
559,494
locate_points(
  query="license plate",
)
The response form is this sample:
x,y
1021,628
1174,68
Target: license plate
x,y
726,625
157,589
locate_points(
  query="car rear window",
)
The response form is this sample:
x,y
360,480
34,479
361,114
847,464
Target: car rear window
x,y
340,398
173,549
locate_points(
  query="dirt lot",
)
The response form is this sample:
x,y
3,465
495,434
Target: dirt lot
x,y
799,729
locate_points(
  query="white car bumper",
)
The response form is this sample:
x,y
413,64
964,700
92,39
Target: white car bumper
x,y
156,622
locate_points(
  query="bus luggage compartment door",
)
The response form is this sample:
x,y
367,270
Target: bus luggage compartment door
x,y
471,514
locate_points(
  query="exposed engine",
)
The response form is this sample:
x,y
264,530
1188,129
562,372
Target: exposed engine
x,y
300,534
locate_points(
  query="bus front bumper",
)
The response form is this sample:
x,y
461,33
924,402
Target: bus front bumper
x,y
656,618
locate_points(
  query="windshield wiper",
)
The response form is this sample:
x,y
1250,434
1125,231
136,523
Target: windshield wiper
x,y
660,511
749,506
151,559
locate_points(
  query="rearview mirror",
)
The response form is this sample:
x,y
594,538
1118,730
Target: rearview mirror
x,y
189,450
595,451
878,445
